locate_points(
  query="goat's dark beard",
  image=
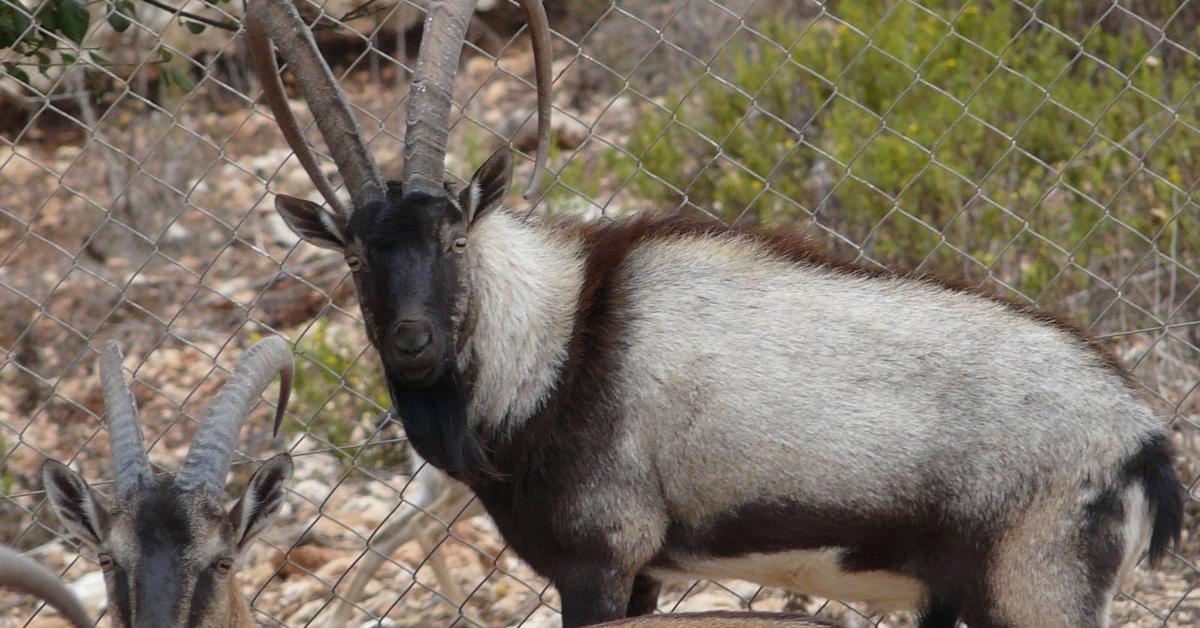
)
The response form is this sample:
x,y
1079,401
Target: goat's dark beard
x,y
435,421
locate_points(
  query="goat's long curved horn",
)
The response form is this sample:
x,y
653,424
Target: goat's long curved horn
x,y
426,129
22,574
129,460
433,86
539,33
278,21
211,452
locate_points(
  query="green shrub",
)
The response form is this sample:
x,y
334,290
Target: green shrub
x,y
956,139
338,394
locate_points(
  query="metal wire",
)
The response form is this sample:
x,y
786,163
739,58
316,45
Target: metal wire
x,y
1039,149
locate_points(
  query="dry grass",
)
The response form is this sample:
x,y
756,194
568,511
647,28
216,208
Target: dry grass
x,y
191,263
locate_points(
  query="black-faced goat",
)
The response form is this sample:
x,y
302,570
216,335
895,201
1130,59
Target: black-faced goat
x,y
167,547
656,397
24,575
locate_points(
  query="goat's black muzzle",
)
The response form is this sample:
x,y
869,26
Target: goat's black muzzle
x,y
414,352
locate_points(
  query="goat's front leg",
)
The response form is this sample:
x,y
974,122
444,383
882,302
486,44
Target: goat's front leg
x,y
591,595
644,598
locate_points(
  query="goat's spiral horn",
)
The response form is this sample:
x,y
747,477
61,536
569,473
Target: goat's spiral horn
x,y
278,21
130,464
433,85
211,452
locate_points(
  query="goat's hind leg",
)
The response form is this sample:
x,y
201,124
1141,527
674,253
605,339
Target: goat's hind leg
x,y
593,594
1057,566
941,611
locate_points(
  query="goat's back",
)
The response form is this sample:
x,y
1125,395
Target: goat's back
x,y
722,619
838,388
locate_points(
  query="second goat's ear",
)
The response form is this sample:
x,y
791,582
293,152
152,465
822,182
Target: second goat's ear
x,y
311,222
262,500
75,503
488,185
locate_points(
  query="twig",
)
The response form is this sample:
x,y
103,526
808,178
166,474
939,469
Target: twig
x,y
229,26
353,14
359,11
326,22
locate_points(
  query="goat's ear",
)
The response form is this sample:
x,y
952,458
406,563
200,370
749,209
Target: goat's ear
x,y
75,503
313,224
488,186
262,500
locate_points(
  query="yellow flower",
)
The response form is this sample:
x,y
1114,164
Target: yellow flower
x,y
1174,175
912,128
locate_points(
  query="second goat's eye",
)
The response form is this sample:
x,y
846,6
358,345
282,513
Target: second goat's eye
x,y
355,262
459,245
106,562
223,566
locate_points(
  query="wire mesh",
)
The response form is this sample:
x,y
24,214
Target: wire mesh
x,y
1044,150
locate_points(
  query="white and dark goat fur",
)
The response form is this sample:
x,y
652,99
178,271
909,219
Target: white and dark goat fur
x,y
658,397
167,546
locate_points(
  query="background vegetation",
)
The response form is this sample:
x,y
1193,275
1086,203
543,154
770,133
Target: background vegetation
x,y
1046,149
1039,149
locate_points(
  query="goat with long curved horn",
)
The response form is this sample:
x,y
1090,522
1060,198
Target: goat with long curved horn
x,y
211,452
139,540
22,574
130,465
430,97
433,85
278,21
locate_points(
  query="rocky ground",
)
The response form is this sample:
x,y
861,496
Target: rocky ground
x,y
194,262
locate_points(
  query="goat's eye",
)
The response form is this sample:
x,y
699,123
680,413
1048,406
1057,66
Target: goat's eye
x,y
355,262
223,566
459,245
106,562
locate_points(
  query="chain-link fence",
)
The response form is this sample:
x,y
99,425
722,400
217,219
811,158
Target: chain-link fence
x,y
1046,150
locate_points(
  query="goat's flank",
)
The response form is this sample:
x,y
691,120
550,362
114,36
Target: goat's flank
x,y
656,397
166,545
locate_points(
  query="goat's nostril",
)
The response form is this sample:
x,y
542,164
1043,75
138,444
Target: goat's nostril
x,y
411,337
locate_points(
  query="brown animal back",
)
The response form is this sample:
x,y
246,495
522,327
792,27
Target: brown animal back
x,y
723,619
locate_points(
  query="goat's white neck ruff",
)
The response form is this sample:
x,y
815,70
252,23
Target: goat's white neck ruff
x,y
525,284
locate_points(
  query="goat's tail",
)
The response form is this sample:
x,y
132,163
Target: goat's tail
x,y
1151,467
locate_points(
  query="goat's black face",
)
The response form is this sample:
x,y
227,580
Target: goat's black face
x,y
409,256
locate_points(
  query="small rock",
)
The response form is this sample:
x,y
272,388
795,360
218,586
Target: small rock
x,y
386,622
90,590
306,612
314,491
304,559
544,617
334,569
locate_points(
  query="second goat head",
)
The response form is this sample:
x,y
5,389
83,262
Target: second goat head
x,y
167,546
